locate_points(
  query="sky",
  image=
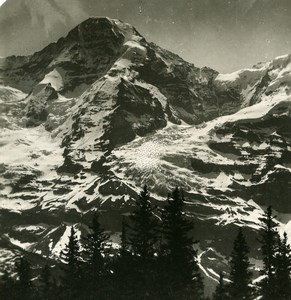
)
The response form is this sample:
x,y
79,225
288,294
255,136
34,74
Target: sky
x,y
2,1
225,35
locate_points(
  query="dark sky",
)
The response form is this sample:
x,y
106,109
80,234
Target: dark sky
x,y
223,34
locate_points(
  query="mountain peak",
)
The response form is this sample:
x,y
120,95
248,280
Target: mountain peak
x,y
103,27
91,48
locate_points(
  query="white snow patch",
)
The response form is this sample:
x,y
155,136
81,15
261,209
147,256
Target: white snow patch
x,y
24,246
222,182
15,205
64,240
228,77
55,79
147,156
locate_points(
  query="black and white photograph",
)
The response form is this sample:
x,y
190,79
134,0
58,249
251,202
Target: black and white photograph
x,y
145,149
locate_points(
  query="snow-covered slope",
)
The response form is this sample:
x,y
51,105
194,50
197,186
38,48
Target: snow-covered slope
x,y
260,83
102,112
12,104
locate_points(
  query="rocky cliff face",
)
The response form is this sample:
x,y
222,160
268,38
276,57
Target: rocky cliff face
x,y
90,119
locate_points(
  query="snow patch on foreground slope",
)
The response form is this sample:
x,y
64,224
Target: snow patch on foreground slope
x,y
63,241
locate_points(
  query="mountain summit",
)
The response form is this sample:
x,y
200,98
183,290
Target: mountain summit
x,y
90,119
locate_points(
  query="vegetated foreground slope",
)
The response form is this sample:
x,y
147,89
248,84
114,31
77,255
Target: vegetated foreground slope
x,y
90,119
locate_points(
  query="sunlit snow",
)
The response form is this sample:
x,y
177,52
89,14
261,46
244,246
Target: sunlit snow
x,y
147,156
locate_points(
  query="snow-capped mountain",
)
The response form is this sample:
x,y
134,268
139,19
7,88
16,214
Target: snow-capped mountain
x,y
90,119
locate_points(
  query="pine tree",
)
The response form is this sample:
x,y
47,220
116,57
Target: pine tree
x,y
221,289
124,240
240,275
124,269
46,283
95,260
142,238
180,259
268,239
71,255
24,277
283,269
143,235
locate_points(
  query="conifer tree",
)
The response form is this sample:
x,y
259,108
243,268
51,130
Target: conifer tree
x,y
268,240
221,289
124,240
72,269
46,283
142,238
181,268
240,276
95,243
124,269
95,259
24,277
143,235
282,269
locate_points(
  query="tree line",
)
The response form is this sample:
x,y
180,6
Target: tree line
x,y
274,282
156,260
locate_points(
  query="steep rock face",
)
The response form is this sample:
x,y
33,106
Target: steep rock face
x,y
82,57
37,102
189,90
